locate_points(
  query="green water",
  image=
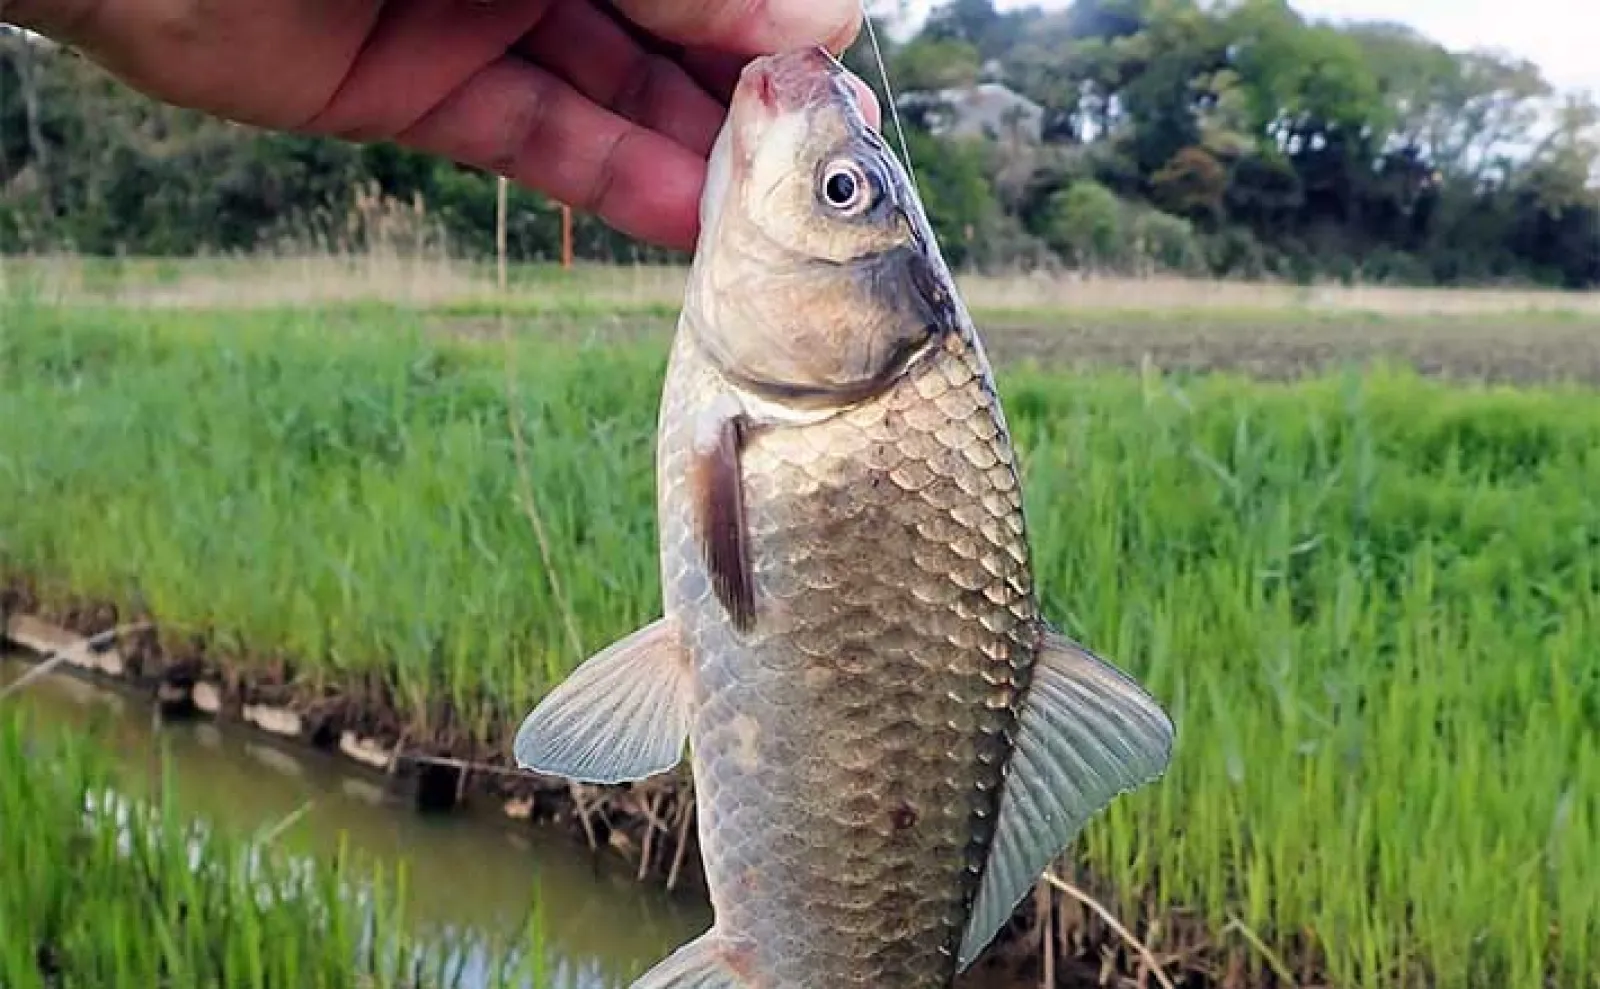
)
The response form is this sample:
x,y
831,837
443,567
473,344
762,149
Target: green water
x,y
469,873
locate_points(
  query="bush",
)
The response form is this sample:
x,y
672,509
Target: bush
x,y
1093,228
1084,222
1168,243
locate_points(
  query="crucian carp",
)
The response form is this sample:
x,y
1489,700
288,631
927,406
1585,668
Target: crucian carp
x,y
889,741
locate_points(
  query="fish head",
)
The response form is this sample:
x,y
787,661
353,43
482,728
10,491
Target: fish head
x,y
817,280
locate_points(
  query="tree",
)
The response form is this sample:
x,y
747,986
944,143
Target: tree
x,y
935,64
1236,131
1489,104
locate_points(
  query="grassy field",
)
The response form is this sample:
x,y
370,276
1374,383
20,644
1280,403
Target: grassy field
x,y
1370,601
101,891
1263,330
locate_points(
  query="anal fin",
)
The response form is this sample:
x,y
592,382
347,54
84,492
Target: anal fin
x,y
717,487
622,715
707,962
1087,734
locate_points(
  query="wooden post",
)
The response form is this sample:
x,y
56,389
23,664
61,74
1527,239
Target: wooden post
x,y
500,232
566,236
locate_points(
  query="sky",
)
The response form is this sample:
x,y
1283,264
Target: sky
x,y
1555,34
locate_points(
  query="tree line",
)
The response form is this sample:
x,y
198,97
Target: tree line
x,y
1233,138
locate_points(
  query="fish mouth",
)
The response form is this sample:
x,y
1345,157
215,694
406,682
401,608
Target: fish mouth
x,y
791,81
797,82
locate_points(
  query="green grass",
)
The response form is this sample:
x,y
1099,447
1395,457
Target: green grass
x,y
102,891
1370,602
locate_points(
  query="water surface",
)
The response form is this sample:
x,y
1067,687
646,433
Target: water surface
x,y
472,876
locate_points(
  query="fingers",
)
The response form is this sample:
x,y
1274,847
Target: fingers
x,y
520,121
717,72
601,60
60,20
749,27
418,50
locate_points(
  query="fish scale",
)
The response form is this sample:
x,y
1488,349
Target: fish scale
x,y
849,751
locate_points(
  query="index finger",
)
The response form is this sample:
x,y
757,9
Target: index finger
x,y
748,27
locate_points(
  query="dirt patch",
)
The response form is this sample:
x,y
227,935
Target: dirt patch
x,y
1054,939
1497,349
1501,350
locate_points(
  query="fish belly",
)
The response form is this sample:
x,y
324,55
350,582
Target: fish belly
x,y
848,750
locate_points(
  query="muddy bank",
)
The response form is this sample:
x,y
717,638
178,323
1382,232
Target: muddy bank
x,y
1059,937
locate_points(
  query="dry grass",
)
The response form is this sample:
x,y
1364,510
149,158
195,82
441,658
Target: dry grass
x,y
1044,292
392,253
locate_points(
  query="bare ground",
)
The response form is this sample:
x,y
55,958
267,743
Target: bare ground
x,y
1501,348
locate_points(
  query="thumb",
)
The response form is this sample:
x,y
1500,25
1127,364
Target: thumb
x,y
749,27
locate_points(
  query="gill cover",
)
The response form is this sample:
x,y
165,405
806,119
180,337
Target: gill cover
x,y
817,278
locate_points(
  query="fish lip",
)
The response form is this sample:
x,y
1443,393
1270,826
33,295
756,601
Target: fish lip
x,y
794,80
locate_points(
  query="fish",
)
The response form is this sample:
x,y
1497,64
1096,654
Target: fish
x,y
888,741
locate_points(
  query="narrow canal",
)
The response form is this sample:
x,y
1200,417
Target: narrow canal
x,y
473,877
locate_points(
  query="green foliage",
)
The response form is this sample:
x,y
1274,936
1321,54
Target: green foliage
x,y
935,64
1369,603
1334,149
951,179
103,891
1090,226
1167,242
1084,222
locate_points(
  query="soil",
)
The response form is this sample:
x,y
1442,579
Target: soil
x,y
1501,351
1497,348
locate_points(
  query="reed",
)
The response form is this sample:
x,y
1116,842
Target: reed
x,y
1370,601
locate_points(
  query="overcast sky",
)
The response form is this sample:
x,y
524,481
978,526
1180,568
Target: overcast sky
x,y
1556,34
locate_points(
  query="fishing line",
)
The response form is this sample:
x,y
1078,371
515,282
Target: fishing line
x,y
888,92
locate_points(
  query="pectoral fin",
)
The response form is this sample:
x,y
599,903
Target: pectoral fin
x,y
622,715
718,491
707,962
1088,733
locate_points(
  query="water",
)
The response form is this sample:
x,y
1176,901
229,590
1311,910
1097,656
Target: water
x,y
473,873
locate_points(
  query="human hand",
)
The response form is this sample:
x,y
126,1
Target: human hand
x,y
561,96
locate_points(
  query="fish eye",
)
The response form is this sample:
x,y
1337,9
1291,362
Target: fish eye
x,y
846,186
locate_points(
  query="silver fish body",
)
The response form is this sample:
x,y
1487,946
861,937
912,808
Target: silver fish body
x,y
888,741
848,750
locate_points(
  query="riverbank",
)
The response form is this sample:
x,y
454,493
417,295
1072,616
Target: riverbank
x,y
649,824
105,890
1367,601
472,883
646,827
